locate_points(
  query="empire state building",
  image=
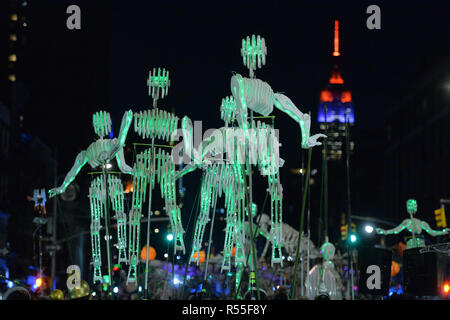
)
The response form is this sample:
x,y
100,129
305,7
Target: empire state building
x,y
336,107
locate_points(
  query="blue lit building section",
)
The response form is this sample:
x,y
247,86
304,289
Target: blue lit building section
x,y
336,111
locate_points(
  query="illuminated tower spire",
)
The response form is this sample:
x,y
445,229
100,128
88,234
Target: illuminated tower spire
x,y
336,52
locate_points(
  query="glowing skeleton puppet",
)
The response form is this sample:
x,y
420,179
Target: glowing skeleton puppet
x,y
289,239
97,154
154,164
218,178
323,279
257,96
413,225
254,95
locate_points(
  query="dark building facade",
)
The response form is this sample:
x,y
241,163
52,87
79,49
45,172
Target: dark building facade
x,y
416,156
13,96
43,77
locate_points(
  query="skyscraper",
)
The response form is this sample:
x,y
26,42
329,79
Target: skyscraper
x,y
335,107
335,110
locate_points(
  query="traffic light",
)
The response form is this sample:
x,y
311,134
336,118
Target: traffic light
x,y
344,230
439,215
353,236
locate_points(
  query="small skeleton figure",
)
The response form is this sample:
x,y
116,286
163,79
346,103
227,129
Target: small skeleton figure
x,y
99,153
413,225
323,279
289,239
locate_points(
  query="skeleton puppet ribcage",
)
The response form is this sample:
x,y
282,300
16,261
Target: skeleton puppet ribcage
x,y
253,94
155,123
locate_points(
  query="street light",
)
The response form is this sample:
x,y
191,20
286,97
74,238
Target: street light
x,y
368,229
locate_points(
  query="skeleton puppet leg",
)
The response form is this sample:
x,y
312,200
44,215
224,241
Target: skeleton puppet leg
x,y
97,197
117,197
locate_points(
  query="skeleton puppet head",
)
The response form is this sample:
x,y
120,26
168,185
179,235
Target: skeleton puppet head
x,y
327,250
101,121
411,206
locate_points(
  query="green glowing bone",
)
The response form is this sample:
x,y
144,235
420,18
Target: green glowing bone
x,y
209,195
155,123
97,197
158,84
411,206
276,195
117,198
254,52
228,109
133,243
257,95
166,176
101,121
140,178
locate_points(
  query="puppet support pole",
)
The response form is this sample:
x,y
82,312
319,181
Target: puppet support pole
x,y
293,289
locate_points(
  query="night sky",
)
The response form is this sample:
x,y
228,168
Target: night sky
x,y
105,66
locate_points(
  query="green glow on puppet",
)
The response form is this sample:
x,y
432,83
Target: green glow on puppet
x,y
411,206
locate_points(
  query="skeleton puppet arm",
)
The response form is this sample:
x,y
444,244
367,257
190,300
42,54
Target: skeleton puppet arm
x,y
434,233
257,95
304,120
197,161
80,161
121,163
186,127
124,127
395,230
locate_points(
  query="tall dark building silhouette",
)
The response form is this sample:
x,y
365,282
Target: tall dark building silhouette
x,y
417,157
45,75
14,92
